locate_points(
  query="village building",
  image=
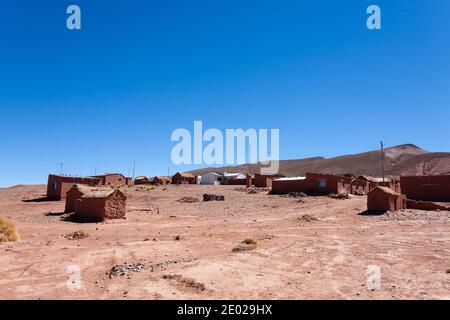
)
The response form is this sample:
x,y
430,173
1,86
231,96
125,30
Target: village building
x,y
426,188
382,199
98,204
58,185
389,182
114,179
288,185
321,184
161,180
212,178
327,183
265,180
141,180
184,178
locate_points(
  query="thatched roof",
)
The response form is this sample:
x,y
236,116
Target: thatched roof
x,y
95,192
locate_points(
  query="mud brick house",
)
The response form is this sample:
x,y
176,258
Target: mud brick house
x,y
184,178
389,182
76,192
426,188
114,179
58,185
265,180
141,180
287,185
161,180
98,204
320,184
382,199
327,183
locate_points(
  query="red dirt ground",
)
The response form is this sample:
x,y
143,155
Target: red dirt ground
x,y
185,249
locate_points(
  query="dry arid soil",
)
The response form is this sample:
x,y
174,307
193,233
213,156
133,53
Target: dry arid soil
x,y
309,248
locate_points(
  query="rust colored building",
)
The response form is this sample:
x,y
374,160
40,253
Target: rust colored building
x,y
382,199
184,178
426,188
161,180
114,179
141,180
58,185
265,180
327,183
73,196
389,182
287,185
98,204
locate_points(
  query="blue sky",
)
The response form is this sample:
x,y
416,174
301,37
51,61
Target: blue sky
x,y
113,92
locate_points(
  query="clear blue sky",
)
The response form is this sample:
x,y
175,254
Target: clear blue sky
x,y
114,91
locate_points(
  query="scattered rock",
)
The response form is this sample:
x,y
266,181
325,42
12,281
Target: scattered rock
x,y
339,196
295,195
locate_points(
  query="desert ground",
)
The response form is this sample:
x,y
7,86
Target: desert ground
x,y
308,248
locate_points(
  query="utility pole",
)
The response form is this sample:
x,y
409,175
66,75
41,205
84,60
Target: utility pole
x,y
95,171
134,168
382,159
62,166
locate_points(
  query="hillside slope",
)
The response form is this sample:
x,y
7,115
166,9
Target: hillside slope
x,y
406,159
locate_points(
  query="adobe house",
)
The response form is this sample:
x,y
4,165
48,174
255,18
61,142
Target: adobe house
x,y
76,192
389,182
265,180
327,183
161,180
426,188
382,199
287,185
141,180
184,178
98,204
113,179
58,185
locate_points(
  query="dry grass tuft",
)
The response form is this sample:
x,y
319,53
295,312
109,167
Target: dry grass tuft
x,y
246,245
188,200
77,235
307,218
8,231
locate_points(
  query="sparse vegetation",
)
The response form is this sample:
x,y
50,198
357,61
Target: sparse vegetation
x,y
246,245
307,218
8,232
188,200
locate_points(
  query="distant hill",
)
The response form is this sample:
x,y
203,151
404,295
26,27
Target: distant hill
x,y
406,159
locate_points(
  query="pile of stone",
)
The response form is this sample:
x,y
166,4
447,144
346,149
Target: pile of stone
x,y
213,197
296,195
124,269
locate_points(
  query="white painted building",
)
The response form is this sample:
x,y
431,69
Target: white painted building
x,y
212,178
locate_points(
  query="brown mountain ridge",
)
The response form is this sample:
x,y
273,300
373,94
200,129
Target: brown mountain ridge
x,y
405,159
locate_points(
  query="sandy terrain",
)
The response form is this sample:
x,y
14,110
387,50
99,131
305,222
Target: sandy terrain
x,y
330,258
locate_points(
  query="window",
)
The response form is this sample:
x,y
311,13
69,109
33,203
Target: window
x,y
54,185
321,183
